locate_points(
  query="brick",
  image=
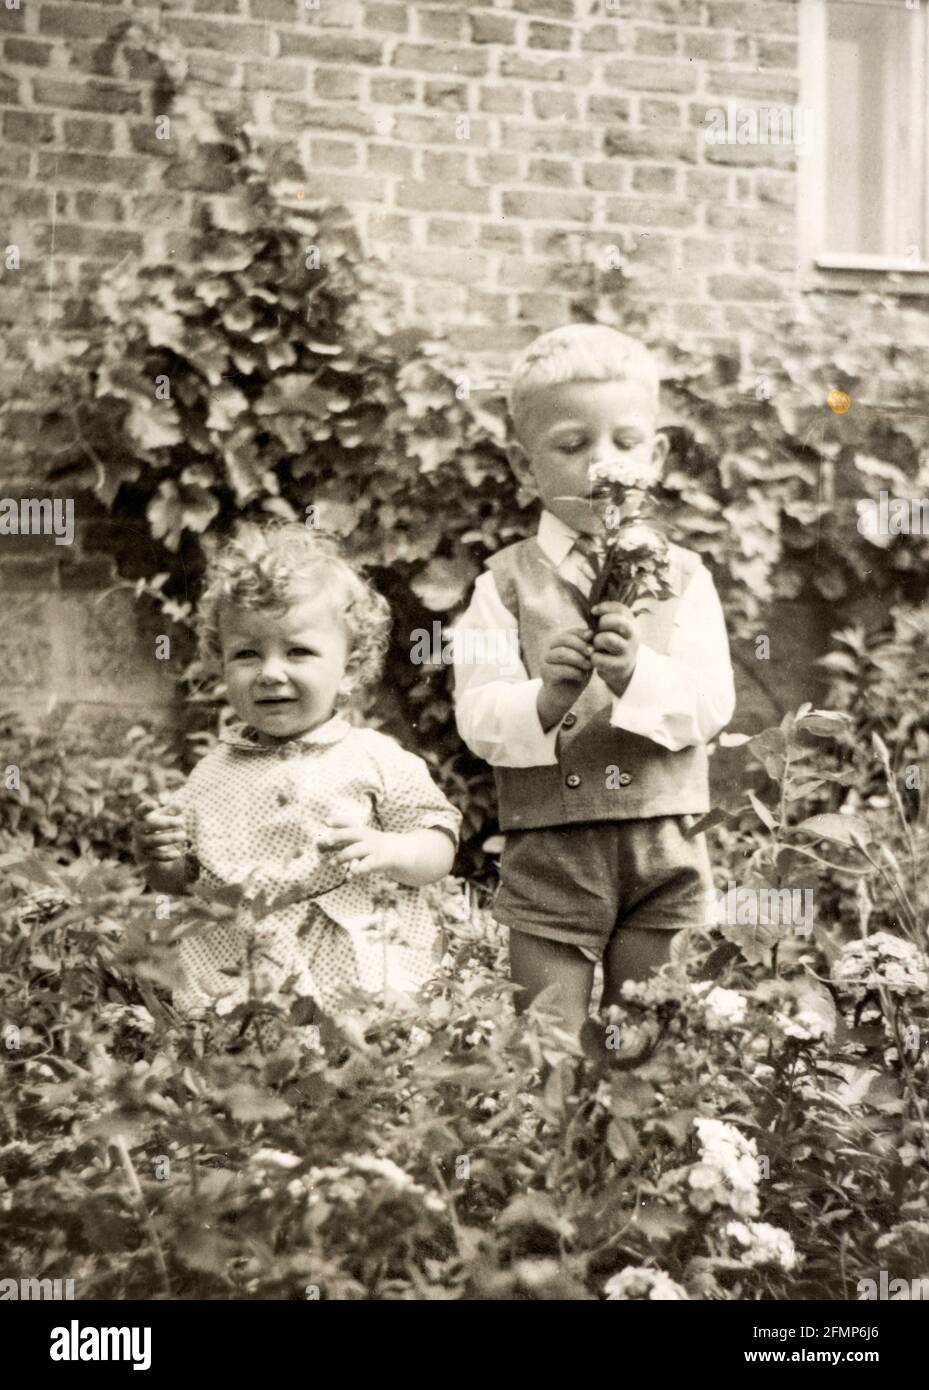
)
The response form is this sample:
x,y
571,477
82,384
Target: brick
x,y
552,36
776,255
659,113
555,105
499,168
701,253
87,96
438,130
67,21
296,115
700,43
449,96
20,576
449,25
88,133
769,222
275,76
26,202
749,16
394,91
355,188
9,90
27,52
449,231
519,274
233,7
731,82
441,197
394,19
571,70
467,268
89,168
606,178
468,62
602,38
651,144
654,178
553,207
28,127
777,54
652,212
553,173
530,139
500,237
638,76
445,165
492,28
494,308
85,574
657,42
507,101
772,155
556,9
225,36
776,188
337,84
332,48
601,108
98,207
334,154
14,163
708,183
70,239
390,226
743,287
390,159
291,11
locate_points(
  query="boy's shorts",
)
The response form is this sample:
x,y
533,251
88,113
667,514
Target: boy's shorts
x,y
577,883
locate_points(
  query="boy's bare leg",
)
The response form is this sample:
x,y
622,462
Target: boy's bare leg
x,y
537,962
633,953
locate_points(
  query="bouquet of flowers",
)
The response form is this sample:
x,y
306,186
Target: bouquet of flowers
x,y
629,558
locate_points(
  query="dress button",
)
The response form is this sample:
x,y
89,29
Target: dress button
x,y
572,780
569,721
625,778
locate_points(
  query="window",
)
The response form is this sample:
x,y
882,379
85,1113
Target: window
x,y
867,84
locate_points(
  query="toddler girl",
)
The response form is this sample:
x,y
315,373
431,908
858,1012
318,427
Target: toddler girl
x,y
294,803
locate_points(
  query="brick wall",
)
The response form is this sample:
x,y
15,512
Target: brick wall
x,y
504,161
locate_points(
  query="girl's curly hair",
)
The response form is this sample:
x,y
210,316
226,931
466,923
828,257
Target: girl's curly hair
x,y
278,563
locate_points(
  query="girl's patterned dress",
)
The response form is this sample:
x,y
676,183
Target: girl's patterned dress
x,y
254,816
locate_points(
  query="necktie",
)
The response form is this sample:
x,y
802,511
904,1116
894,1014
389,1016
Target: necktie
x,y
585,550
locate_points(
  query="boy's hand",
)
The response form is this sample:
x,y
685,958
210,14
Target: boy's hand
x,y
159,834
566,671
616,645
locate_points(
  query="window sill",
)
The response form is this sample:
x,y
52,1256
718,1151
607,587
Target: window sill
x,y
883,275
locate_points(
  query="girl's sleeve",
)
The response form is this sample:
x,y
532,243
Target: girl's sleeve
x,y
408,798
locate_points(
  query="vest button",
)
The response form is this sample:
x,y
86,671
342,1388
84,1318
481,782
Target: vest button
x,y
625,778
572,780
569,721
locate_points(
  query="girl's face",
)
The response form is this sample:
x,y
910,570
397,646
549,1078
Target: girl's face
x,y
283,672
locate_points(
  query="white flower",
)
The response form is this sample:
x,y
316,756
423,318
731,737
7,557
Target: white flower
x,y
763,1244
274,1158
637,1282
804,1024
638,536
725,1008
621,473
727,1174
881,961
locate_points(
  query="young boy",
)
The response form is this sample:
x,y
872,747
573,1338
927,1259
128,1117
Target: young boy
x,y
597,737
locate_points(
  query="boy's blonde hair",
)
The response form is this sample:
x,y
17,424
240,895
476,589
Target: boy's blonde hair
x,y
578,352
278,563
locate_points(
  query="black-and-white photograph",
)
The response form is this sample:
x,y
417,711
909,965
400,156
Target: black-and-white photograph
x,y
464,712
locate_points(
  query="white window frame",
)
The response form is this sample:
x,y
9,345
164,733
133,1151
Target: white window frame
x,y
812,165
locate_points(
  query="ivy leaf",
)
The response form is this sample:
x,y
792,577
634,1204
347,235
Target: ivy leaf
x,y
842,830
153,424
226,405
762,812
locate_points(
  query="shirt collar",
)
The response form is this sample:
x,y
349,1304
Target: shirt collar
x,y
240,735
555,537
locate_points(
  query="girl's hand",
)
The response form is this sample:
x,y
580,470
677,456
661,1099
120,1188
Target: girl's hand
x,y
159,834
364,849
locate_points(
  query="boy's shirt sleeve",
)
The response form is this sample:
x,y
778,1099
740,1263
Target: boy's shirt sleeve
x,y
408,799
495,700
685,697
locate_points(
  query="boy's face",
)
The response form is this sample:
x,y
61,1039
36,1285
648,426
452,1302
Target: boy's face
x,y
569,429
283,670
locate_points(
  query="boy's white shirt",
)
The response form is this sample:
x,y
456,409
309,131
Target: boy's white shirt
x,y
678,700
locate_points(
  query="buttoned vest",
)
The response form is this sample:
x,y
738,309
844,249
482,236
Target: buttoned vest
x,y
602,772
